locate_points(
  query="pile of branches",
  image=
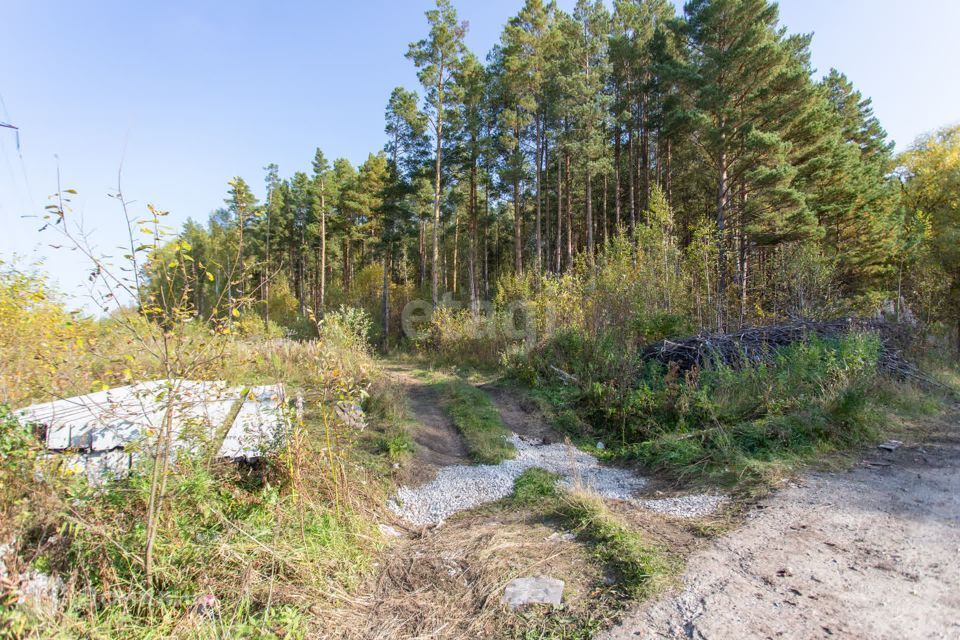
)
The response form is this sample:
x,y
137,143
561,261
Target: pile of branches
x,y
753,345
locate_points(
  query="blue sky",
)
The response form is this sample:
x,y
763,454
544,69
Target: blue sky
x,y
187,94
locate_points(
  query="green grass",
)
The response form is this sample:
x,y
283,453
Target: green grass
x,y
640,567
479,422
388,411
396,443
534,486
720,424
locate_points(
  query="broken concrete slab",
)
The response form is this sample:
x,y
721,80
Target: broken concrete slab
x,y
116,417
890,445
533,590
102,434
258,427
40,592
561,536
95,419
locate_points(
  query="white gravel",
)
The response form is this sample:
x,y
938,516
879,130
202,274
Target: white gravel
x,y
460,487
692,506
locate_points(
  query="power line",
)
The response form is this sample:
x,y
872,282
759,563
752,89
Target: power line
x,y
23,166
16,130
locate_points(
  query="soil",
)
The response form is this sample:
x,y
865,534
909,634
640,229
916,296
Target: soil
x,y
866,553
438,443
520,414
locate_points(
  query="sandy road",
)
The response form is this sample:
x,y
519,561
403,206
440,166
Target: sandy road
x,y
873,552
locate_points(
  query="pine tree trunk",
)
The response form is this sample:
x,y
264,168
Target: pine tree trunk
x,y
569,216
472,249
616,180
644,158
539,240
632,181
436,186
386,296
323,252
456,249
266,281
721,238
606,237
436,225
544,176
346,264
517,229
559,210
744,254
422,251
486,236
589,216
668,178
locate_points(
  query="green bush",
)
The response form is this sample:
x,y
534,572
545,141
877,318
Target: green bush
x,y
347,328
803,398
397,443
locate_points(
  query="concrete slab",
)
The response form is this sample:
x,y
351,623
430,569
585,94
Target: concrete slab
x,y
259,426
100,434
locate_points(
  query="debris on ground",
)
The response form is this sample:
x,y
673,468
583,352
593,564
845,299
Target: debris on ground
x,y
40,591
533,590
103,434
751,345
890,445
207,606
389,531
561,536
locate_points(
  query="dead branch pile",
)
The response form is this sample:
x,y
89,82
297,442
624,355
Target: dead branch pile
x,y
753,345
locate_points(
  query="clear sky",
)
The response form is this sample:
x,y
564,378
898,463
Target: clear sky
x,y
186,94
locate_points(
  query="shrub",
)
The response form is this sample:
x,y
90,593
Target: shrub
x,y
397,443
252,325
806,397
347,328
41,343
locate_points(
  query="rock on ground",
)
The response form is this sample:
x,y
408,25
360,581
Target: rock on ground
x,y
533,590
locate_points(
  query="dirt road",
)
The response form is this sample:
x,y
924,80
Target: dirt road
x,y
873,552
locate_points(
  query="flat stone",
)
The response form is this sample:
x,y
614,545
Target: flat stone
x,y
533,590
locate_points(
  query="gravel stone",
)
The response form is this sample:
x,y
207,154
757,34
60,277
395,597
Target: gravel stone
x,y
461,487
692,506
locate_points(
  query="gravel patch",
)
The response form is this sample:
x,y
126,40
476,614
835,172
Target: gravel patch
x,y
692,506
461,487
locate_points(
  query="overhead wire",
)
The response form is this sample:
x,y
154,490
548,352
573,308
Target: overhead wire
x,y
23,166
